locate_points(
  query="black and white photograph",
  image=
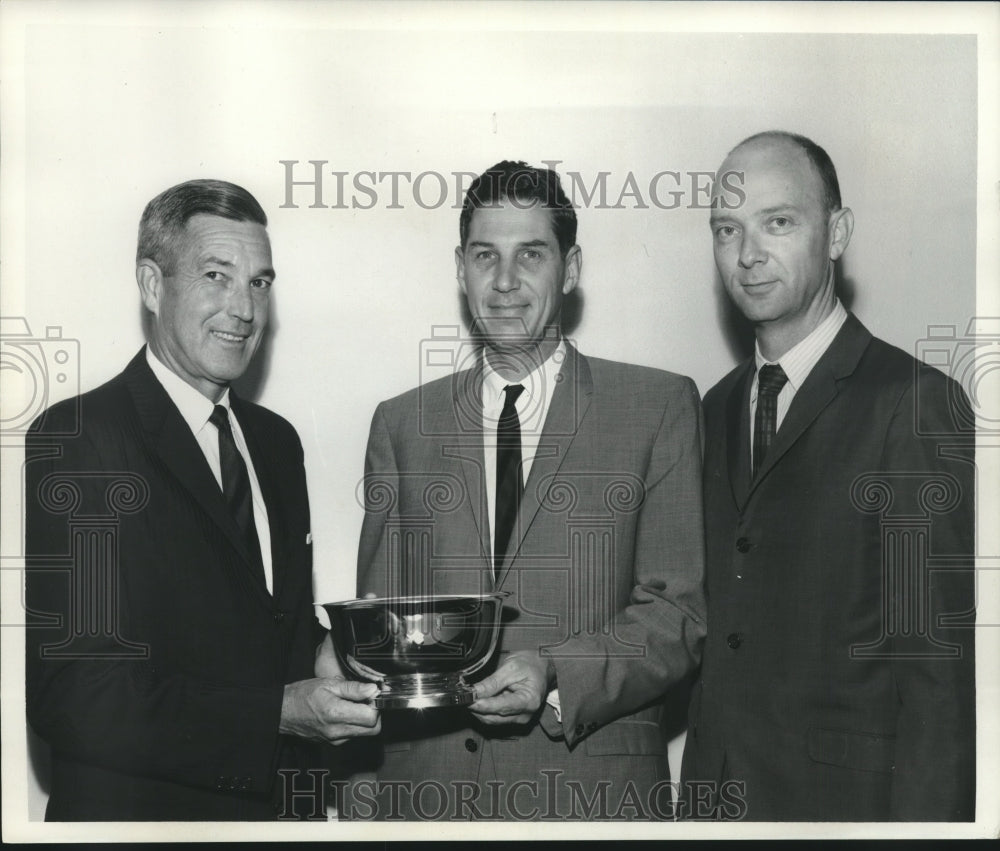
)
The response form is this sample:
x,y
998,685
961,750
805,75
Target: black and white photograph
x,y
454,420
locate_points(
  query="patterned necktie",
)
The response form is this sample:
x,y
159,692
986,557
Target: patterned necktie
x,y
770,381
236,483
509,482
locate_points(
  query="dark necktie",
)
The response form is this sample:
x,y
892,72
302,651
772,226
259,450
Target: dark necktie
x,y
509,483
236,483
770,381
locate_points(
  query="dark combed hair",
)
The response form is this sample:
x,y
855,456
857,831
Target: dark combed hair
x,y
817,156
166,215
520,182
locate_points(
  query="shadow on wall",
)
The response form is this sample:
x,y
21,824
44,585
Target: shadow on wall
x,y
39,776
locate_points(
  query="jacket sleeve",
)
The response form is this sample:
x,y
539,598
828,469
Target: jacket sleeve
x,y
665,615
933,656
94,691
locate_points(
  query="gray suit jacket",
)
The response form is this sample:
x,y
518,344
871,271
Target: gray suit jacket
x,y
604,573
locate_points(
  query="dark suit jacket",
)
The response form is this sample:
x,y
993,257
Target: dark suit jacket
x,y
604,572
838,676
156,658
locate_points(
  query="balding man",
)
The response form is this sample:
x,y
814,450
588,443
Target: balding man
x,y
838,674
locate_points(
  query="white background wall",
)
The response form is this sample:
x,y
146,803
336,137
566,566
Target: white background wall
x,y
357,290
118,104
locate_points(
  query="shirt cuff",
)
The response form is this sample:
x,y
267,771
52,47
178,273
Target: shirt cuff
x,y
552,699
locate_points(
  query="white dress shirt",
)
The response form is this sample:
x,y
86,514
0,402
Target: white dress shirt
x,y
532,409
797,363
196,410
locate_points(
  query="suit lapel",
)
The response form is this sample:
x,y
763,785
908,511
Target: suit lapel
x,y
465,422
738,436
819,389
172,440
569,406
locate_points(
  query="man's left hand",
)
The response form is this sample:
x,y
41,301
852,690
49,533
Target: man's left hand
x,y
516,691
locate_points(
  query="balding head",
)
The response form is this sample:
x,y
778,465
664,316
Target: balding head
x,y
819,159
775,249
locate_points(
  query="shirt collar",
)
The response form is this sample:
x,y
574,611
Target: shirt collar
x,y
799,360
535,383
194,408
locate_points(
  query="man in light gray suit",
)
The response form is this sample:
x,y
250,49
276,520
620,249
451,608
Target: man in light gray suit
x,y
573,483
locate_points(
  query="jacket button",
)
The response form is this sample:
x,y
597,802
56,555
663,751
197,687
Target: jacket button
x,y
743,545
734,640
279,617
579,730
471,746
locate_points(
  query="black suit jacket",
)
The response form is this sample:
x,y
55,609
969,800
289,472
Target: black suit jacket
x,y
838,674
156,657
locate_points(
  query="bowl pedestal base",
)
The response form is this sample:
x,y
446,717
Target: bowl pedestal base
x,y
419,691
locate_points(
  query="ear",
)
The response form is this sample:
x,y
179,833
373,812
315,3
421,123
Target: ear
x,y
841,228
460,268
571,274
149,277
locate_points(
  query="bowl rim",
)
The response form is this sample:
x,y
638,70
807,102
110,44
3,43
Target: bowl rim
x,y
364,602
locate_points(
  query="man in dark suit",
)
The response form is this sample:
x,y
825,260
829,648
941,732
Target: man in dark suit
x,y
171,637
838,676
589,516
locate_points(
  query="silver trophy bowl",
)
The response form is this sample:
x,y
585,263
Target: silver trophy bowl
x,y
418,649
